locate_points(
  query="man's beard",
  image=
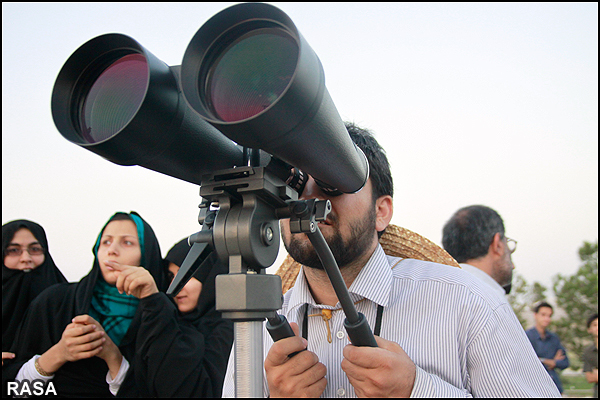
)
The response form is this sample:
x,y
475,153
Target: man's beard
x,y
503,272
344,252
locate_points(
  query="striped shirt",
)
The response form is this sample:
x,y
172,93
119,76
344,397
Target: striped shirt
x,y
463,338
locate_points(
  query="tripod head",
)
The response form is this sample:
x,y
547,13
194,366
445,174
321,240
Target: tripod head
x,y
251,202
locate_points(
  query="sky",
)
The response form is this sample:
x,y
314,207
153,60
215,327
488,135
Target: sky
x,y
493,104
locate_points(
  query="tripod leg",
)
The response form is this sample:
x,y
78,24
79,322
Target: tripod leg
x,y
248,359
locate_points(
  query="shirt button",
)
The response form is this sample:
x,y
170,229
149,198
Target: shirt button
x,y
341,392
340,335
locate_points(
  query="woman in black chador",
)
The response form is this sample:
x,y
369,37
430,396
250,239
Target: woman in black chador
x,y
183,344
83,335
27,270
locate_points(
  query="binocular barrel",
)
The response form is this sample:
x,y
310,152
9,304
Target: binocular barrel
x,y
248,78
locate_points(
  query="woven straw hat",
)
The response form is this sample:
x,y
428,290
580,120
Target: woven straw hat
x,y
396,241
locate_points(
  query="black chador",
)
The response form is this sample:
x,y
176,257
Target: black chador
x,y
183,355
53,310
19,288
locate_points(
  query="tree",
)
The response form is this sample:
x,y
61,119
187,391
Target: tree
x,y
577,295
523,297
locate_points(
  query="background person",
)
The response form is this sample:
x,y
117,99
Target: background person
x,y
547,344
182,348
82,335
475,237
27,269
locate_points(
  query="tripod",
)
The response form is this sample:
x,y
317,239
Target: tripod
x,y
245,234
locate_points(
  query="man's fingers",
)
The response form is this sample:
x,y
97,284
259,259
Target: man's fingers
x,y
370,357
315,374
319,386
559,355
295,328
389,345
287,346
280,350
301,374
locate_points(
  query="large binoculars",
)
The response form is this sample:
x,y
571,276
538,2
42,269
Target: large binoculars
x,y
247,79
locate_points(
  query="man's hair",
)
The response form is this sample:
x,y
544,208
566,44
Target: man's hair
x,y
470,231
379,167
540,305
591,319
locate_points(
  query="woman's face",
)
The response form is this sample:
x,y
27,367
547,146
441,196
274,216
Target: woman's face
x,y
26,243
187,298
120,243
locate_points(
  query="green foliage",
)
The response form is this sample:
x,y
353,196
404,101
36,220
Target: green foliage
x,y
538,293
523,296
577,295
518,298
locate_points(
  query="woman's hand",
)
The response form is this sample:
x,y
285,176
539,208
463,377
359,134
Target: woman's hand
x,y
78,342
7,356
109,352
136,281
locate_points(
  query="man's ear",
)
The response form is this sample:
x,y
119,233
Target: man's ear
x,y
496,247
384,209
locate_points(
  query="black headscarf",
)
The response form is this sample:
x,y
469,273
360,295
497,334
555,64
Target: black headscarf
x,y
206,274
54,309
19,288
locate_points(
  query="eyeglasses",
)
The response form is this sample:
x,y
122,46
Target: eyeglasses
x,y
15,251
511,244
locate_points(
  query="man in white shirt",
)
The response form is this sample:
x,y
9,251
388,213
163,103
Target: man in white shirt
x,y
475,237
440,332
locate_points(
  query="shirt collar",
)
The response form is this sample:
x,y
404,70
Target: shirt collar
x,y
484,277
375,279
537,335
373,282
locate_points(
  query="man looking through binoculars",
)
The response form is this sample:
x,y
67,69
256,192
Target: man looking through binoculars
x,y
439,331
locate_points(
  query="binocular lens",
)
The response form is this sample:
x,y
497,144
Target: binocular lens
x,y
251,73
114,98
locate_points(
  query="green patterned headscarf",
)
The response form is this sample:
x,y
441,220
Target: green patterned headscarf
x,y
113,310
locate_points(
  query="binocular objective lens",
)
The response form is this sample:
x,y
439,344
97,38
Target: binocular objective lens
x,y
114,98
252,73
